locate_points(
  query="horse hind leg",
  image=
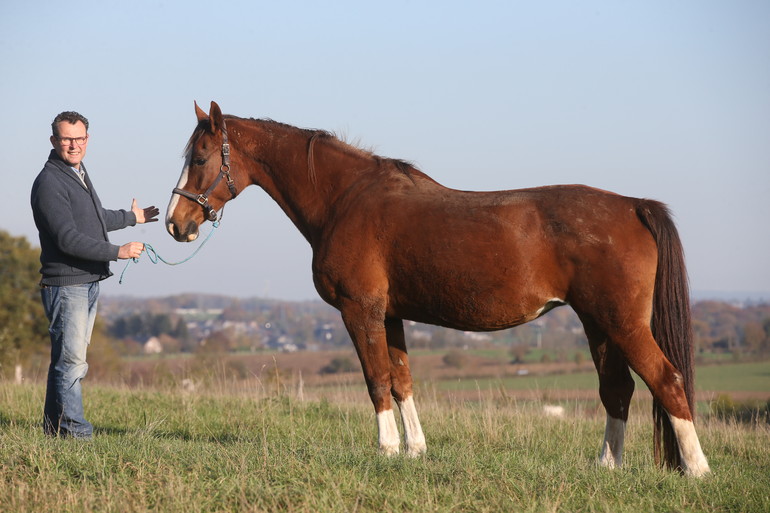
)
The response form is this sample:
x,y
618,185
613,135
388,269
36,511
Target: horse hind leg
x,y
616,387
667,387
401,388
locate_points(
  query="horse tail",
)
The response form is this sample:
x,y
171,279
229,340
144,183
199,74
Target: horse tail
x,y
671,323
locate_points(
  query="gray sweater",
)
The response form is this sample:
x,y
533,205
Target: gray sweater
x,y
73,226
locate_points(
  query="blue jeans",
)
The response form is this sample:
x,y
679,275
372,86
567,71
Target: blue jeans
x,y
71,311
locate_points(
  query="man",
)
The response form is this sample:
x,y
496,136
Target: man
x,y
75,253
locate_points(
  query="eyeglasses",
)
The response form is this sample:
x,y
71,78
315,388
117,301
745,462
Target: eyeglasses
x,y
80,141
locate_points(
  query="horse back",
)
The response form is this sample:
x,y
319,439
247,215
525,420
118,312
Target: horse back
x,y
479,260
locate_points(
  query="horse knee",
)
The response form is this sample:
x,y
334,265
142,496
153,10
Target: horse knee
x,y
670,392
380,394
401,385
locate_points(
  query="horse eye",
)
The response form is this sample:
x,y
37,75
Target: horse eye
x,y
199,161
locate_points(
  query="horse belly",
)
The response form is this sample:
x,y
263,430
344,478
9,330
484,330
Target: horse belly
x,y
473,301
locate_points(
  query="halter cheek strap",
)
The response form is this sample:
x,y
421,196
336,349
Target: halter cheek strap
x,y
224,172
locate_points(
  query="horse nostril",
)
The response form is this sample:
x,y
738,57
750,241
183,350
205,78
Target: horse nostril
x,y
188,233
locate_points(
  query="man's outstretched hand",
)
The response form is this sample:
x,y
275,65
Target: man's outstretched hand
x,y
144,215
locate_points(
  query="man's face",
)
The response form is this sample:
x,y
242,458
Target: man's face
x,y
71,142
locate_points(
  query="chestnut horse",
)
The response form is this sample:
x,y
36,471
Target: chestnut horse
x,y
390,243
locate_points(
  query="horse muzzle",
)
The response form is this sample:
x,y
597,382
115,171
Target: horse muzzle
x,y
188,233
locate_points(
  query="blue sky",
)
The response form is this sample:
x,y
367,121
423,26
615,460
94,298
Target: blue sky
x,y
667,100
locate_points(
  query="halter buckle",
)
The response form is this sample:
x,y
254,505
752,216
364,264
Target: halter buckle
x,y
211,214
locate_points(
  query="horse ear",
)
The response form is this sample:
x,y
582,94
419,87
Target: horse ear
x,y
215,114
199,113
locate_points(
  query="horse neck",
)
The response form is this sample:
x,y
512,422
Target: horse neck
x,y
305,184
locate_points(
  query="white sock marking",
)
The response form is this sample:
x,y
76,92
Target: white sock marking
x,y
387,433
612,447
693,459
414,439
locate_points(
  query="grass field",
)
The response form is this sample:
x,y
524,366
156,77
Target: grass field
x,y
740,379
255,448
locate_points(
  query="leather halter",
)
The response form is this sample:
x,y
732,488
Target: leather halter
x,y
224,172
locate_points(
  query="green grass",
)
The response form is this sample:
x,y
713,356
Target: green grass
x,y
222,450
735,377
729,377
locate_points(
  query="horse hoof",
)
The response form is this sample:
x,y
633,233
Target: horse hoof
x,y
698,470
389,450
416,451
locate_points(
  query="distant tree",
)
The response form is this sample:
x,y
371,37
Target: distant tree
x,y
338,365
161,324
753,336
182,334
702,331
236,312
23,324
765,347
219,342
455,359
141,326
519,352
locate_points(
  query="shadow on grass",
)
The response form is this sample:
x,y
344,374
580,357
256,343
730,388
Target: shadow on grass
x,y
7,421
183,435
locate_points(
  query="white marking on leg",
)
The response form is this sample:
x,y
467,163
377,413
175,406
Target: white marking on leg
x,y
414,439
387,433
693,459
612,447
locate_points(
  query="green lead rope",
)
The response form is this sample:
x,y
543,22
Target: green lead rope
x,y
155,257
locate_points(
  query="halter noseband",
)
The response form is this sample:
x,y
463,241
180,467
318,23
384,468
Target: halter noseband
x,y
224,172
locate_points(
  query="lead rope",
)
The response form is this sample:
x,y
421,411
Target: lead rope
x,y
155,257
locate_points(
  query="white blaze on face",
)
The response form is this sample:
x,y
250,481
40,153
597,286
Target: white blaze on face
x,y
414,438
693,459
612,447
387,433
175,197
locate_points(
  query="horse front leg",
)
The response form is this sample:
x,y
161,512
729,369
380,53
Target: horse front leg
x,y
401,387
366,326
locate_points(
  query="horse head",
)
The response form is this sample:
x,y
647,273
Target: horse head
x,y
198,194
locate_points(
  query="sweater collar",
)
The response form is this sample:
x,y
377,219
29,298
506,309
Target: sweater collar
x,y
59,162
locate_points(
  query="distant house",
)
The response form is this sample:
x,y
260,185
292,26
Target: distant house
x,y
153,346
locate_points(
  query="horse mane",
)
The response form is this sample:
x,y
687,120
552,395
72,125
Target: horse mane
x,y
408,169
404,167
